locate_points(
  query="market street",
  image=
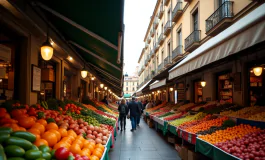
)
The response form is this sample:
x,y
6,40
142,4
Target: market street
x,y
143,144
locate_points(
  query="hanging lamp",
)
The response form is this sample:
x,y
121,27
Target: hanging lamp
x,y
84,72
257,70
203,82
46,49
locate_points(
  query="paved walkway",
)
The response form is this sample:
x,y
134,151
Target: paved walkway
x,y
143,144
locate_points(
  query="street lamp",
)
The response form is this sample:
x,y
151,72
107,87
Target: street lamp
x,y
257,71
203,83
46,50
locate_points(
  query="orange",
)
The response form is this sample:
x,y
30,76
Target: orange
x,y
99,149
50,137
26,122
78,142
85,143
80,138
40,142
63,132
42,121
90,147
93,144
58,134
100,146
61,144
93,157
85,152
75,149
97,153
51,126
40,127
72,133
34,131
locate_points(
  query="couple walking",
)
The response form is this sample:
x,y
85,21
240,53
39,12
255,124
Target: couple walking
x,y
133,111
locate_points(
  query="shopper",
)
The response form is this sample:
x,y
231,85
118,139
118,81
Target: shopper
x,y
141,108
150,104
123,111
133,110
105,100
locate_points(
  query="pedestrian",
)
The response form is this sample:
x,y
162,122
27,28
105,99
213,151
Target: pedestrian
x,y
123,111
141,108
105,100
150,104
134,110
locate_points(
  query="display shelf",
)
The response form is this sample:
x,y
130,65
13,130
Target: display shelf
x,y
225,88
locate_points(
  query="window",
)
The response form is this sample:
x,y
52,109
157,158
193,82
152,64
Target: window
x,y
157,60
168,48
162,28
133,89
162,56
195,20
126,83
179,37
126,88
168,15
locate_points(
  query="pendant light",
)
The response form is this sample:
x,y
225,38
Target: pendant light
x,y
84,72
257,71
105,88
203,82
101,85
46,49
171,89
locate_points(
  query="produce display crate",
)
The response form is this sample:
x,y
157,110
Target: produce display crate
x,y
150,123
172,129
171,139
189,137
212,151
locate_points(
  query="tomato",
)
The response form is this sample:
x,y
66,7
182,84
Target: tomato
x,y
62,153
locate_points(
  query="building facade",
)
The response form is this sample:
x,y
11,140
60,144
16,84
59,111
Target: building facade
x,y
130,84
176,29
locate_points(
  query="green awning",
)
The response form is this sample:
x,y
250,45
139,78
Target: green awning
x,y
94,30
127,95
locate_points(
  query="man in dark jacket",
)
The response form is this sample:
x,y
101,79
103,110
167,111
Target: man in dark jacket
x,y
105,100
134,111
141,107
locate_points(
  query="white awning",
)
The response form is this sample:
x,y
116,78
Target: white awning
x,y
243,34
139,91
157,84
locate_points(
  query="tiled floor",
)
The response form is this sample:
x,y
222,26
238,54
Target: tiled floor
x,y
143,144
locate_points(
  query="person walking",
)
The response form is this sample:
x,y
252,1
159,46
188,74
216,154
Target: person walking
x,y
123,111
105,100
138,116
134,110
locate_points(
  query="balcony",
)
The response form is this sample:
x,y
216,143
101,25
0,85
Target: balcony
x,y
148,57
178,10
155,23
193,41
220,19
156,47
146,45
167,62
167,28
177,53
161,12
148,39
166,2
153,73
152,53
160,67
161,38
152,32
141,70
146,62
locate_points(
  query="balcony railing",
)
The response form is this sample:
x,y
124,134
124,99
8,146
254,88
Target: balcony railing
x,y
161,38
225,11
152,53
156,47
152,32
148,39
155,23
146,62
167,61
193,38
166,2
177,11
177,52
160,67
167,27
161,12
146,45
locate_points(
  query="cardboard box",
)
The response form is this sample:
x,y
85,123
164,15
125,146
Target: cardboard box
x,y
178,148
194,156
150,123
171,139
184,153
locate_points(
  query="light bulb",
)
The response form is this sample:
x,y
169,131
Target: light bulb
x,y
83,73
46,51
101,85
257,71
171,89
203,83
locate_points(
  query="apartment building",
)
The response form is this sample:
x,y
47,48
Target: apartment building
x,y
178,27
130,85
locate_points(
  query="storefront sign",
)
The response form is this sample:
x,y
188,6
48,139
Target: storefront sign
x,y
36,79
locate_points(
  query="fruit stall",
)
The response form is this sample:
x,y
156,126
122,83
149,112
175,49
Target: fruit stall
x,y
218,130
57,129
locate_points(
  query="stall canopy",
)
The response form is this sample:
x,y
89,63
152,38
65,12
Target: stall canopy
x,y
127,95
228,42
94,30
139,91
157,84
